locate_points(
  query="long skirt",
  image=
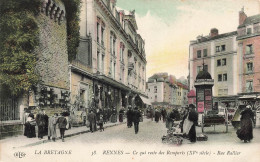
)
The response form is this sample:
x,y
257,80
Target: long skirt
x,y
192,133
120,117
40,131
246,131
30,130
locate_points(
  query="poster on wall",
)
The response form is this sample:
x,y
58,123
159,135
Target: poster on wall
x,y
208,105
200,107
200,94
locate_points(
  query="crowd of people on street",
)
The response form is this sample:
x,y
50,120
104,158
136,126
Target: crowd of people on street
x,y
186,119
46,126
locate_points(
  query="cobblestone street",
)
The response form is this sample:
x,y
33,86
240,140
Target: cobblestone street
x,y
119,142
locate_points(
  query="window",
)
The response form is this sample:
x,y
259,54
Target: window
x,y
155,97
198,69
219,77
249,49
249,86
206,68
102,63
249,67
102,36
249,31
225,91
224,62
205,52
218,62
220,92
98,32
224,77
223,47
155,89
217,48
114,47
111,42
199,54
122,52
114,73
98,63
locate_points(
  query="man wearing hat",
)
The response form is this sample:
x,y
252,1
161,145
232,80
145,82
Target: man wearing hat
x,y
136,119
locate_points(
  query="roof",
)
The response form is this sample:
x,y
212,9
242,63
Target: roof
x,y
208,38
250,20
203,75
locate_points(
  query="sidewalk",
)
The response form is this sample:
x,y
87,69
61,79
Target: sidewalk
x,y
22,141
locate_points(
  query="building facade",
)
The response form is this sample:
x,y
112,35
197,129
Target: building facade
x,y
248,53
166,91
230,59
117,61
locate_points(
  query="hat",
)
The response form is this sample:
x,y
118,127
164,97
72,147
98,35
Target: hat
x,y
248,106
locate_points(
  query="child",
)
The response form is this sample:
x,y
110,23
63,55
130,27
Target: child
x,y
101,123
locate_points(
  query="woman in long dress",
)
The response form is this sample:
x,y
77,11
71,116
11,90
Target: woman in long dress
x,y
30,126
246,122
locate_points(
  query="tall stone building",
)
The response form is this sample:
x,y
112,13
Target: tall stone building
x,y
230,58
52,93
248,55
114,57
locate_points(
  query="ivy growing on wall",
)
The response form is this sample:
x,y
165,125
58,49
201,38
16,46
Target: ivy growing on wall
x,y
18,38
19,35
72,8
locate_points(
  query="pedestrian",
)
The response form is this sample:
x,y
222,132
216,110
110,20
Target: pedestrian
x,y
114,116
246,124
129,115
25,117
157,116
100,122
193,117
30,126
121,115
163,114
62,121
170,120
92,120
185,114
105,116
136,119
46,118
40,121
52,127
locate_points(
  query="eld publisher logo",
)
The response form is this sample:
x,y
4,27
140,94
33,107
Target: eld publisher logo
x,y
19,154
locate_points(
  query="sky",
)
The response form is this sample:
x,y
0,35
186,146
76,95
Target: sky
x,y
168,26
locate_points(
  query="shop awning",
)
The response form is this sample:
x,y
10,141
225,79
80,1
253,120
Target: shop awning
x,y
248,97
145,100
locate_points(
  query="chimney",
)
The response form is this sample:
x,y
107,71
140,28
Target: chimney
x,y
242,16
213,32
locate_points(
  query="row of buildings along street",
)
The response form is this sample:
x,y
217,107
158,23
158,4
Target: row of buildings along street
x,y
108,71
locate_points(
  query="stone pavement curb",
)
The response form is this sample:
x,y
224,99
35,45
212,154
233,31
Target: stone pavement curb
x,y
68,135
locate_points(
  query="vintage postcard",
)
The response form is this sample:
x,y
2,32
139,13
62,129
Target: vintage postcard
x,y
129,80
